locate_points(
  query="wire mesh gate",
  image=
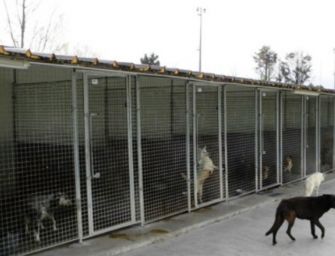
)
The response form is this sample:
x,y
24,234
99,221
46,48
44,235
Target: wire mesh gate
x,y
326,133
108,153
206,147
268,171
292,137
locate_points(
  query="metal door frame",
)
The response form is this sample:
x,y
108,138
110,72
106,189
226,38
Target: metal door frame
x,y
193,87
88,154
260,141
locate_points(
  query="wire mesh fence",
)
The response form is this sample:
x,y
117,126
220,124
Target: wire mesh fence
x,y
291,137
38,205
163,139
326,132
241,139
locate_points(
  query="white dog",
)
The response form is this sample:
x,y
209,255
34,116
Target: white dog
x,y
41,207
313,182
205,169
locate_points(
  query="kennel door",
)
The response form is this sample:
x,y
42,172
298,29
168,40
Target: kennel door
x,y
108,171
206,134
268,139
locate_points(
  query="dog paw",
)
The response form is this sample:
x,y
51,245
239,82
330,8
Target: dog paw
x,y
315,237
37,239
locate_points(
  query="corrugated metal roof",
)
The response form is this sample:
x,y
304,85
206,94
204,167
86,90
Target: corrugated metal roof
x,y
17,53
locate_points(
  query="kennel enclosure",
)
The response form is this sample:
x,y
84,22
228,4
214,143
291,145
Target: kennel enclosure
x,y
123,142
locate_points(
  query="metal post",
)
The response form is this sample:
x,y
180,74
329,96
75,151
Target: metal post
x,y
139,151
220,141
225,141
88,154
130,150
333,114
302,142
188,155
257,151
317,132
279,137
76,155
305,101
200,11
261,140
195,146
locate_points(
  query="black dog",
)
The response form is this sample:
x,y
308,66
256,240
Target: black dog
x,y
308,208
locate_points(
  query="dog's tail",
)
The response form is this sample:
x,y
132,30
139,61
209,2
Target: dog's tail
x,y
279,219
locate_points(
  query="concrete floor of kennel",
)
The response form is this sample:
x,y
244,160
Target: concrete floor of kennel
x,y
127,240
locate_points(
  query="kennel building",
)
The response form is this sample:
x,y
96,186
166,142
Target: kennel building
x,y
123,143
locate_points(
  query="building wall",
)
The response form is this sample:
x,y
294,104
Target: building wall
x,y
43,98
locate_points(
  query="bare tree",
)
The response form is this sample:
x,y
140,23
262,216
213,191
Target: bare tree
x,y
297,68
24,31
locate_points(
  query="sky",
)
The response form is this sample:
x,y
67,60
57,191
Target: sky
x,y
233,30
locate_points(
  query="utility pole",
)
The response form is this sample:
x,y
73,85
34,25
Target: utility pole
x,y
200,12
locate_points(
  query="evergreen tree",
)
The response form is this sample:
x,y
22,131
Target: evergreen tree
x,y
266,60
150,60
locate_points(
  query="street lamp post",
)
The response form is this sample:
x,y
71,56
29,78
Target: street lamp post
x,y
200,12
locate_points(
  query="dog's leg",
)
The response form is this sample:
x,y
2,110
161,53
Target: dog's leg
x,y
317,190
317,222
313,230
200,186
26,222
40,224
37,233
53,222
290,219
279,220
308,190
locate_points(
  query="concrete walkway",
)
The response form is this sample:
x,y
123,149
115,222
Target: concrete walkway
x,y
245,220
